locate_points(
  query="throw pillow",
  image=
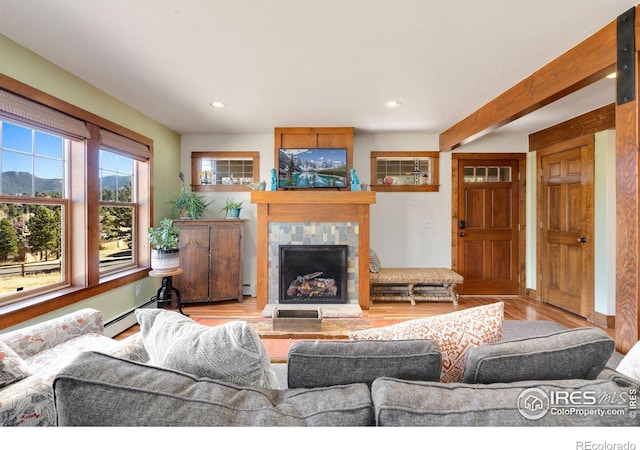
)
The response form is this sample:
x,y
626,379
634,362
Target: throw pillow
x,y
455,332
374,262
12,367
630,363
229,352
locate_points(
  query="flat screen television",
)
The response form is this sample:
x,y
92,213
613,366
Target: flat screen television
x,y
312,168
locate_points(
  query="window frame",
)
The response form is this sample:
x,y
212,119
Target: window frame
x,y
196,165
435,171
82,216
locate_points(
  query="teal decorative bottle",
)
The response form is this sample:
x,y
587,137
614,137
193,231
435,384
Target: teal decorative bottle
x,y
355,183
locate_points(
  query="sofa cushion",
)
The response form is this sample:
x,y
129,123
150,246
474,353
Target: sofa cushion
x,y
525,403
630,363
12,367
328,363
231,352
455,333
572,353
101,390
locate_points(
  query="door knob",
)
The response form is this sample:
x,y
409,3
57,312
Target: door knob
x,y
461,234
582,240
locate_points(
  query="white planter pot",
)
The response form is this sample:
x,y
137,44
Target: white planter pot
x,y
165,260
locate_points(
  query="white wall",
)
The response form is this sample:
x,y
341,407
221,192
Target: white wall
x,y
398,231
605,223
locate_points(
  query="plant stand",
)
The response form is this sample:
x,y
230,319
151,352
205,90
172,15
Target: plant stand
x,y
166,291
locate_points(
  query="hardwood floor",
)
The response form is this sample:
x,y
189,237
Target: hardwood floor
x,y
515,308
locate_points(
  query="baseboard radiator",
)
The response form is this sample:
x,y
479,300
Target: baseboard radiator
x,y
249,290
126,320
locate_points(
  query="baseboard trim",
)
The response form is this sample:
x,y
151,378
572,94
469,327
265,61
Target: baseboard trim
x,y
125,321
604,321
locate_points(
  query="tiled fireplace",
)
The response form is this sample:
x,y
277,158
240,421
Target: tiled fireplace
x,y
313,218
312,235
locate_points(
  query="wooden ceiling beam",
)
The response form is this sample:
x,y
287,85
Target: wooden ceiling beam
x,y
603,118
586,63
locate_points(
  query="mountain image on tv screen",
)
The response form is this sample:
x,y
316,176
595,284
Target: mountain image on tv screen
x,y
312,167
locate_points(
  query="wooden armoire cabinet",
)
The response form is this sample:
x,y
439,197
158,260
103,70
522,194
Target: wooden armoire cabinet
x,y
211,255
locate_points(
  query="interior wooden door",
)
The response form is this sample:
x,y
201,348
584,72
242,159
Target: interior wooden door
x,y
487,242
567,278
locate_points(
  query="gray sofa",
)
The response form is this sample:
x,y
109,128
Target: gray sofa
x,y
370,383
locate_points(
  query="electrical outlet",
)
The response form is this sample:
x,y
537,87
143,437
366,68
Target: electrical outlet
x,y
429,223
137,290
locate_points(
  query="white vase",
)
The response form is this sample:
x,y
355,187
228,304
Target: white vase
x,y
165,260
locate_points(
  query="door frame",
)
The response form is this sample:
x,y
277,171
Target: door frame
x,y
455,212
583,141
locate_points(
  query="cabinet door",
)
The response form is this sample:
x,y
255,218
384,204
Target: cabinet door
x,y
226,261
194,260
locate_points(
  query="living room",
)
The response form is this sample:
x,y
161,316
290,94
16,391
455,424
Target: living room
x,y
407,229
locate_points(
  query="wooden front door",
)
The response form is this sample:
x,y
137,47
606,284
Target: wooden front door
x,y
566,226
487,227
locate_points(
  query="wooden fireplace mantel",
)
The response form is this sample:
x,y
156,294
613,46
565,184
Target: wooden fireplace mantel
x,y
313,206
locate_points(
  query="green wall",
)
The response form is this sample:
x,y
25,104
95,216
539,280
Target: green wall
x,y
23,65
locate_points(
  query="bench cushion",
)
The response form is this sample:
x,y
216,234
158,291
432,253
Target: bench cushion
x,y
415,275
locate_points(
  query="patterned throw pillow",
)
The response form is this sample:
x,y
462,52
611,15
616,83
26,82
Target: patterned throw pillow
x,y
456,333
12,367
229,352
374,262
630,363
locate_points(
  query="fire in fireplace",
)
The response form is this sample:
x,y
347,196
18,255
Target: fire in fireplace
x,y
313,274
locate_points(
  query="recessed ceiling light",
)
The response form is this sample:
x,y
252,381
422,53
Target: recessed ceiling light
x,y
218,105
392,104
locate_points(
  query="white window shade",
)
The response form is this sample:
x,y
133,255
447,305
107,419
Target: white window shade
x,y
120,144
16,108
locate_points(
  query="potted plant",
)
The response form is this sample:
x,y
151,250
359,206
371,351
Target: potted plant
x,y
232,208
165,254
189,205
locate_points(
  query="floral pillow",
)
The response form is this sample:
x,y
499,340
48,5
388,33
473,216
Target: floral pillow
x,y
374,262
455,332
12,367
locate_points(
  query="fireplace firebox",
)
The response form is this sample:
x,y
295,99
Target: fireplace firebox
x,y
313,274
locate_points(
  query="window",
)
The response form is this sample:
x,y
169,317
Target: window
x,y
404,171
74,202
491,174
117,210
224,171
32,212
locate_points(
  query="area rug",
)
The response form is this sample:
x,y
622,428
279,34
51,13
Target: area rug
x,y
278,347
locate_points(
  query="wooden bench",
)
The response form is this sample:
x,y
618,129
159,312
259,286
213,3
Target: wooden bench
x,y
414,284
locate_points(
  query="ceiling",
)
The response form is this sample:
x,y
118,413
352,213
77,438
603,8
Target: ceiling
x,y
313,62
